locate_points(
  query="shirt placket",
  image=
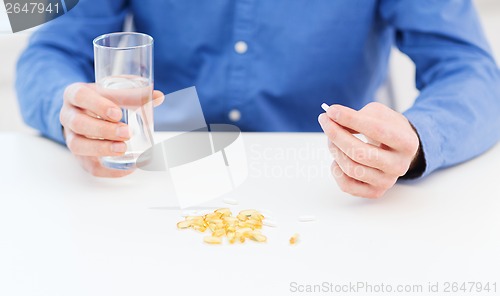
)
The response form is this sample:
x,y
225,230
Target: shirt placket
x,y
242,41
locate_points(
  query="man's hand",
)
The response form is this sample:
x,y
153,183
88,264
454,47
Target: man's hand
x,y
369,169
92,127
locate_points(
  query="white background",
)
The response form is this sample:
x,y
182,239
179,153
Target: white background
x,y
402,70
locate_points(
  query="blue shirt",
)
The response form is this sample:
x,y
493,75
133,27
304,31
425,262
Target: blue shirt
x,y
299,54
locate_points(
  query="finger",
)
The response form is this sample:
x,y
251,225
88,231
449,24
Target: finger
x,y
85,125
356,149
95,168
85,97
347,129
360,172
352,186
158,98
368,124
83,146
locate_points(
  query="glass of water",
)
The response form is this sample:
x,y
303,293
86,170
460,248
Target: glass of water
x,y
124,75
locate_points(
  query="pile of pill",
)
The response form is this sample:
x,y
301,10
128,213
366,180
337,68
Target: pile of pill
x,y
221,223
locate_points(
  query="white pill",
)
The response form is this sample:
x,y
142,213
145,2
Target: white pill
x,y
269,223
325,106
230,201
307,218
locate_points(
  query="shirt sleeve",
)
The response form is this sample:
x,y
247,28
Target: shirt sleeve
x,y
60,53
457,112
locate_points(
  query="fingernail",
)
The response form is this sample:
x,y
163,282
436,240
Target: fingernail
x,y
334,113
123,132
114,113
322,118
119,147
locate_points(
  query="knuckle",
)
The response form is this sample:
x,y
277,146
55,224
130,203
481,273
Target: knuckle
x,y
359,155
62,116
73,91
94,171
400,168
343,186
346,117
335,171
331,134
76,122
378,192
386,182
403,168
330,131
103,148
72,144
374,106
332,149
351,170
379,130
338,175
101,130
411,145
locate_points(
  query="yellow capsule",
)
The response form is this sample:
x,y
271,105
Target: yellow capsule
x,y
254,223
230,220
242,217
199,228
199,223
212,227
184,224
219,232
248,213
231,236
242,231
294,239
212,240
216,221
211,216
221,223
257,216
224,212
257,236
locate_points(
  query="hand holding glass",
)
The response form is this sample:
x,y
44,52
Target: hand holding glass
x,y
124,75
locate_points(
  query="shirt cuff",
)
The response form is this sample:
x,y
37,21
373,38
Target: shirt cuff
x,y
54,126
430,139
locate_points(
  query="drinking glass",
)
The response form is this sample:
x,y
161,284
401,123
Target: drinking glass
x,y
124,75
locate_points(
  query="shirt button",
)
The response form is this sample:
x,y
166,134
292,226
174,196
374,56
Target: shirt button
x,y
241,47
234,115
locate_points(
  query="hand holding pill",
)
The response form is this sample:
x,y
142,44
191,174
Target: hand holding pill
x,y
369,169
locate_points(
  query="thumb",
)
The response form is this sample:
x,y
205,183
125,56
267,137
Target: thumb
x,y
158,98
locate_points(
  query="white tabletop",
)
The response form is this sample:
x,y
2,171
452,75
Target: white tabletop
x,y
63,232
